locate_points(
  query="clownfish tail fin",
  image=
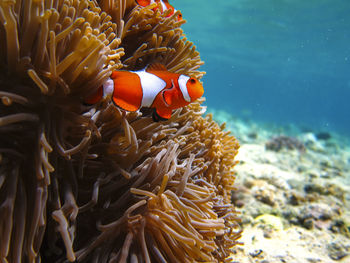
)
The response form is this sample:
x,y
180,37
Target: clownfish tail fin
x,y
94,98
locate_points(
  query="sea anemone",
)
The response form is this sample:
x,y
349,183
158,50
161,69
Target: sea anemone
x,y
98,184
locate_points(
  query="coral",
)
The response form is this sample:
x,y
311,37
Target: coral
x,y
98,183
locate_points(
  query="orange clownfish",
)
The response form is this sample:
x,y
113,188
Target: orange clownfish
x,y
164,5
153,87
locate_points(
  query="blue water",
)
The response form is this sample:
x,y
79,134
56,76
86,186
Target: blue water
x,y
280,61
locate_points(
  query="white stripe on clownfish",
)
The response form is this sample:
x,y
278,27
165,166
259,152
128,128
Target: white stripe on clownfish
x,y
108,87
151,86
182,85
163,5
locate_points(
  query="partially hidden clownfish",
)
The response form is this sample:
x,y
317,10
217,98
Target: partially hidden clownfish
x,y
153,87
164,5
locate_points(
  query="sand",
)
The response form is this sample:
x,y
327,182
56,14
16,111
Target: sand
x,y
293,193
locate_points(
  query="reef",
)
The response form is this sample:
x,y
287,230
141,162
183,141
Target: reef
x,y
98,184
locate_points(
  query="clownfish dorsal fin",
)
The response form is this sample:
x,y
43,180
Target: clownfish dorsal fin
x,y
156,67
143,3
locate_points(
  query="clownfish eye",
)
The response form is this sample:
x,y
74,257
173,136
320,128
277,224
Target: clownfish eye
x,y
192,81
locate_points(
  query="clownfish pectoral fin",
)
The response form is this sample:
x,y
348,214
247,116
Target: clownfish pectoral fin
x,y
94,98
167,97
162,114
168,94
124,104
156,67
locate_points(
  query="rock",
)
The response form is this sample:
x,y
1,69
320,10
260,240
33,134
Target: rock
x,y
255,253
313,187
314,260
308,223
273,221
284,142
327,189
262,191
295,198
252,135
296,184
323,136
265,196
337,251
340,226
317,215
322,211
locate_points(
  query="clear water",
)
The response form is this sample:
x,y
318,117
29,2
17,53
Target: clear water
x,y
280,61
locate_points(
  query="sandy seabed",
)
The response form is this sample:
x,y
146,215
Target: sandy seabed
x,y
293,193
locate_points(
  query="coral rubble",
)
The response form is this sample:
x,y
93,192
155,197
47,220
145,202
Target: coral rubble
x,y
98,183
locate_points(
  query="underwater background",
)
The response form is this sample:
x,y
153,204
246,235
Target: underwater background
x,y
278,61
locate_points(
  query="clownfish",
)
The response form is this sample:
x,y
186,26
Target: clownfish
x,y
164,5
153,87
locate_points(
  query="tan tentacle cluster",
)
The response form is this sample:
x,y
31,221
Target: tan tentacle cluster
x,y
168,199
